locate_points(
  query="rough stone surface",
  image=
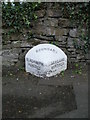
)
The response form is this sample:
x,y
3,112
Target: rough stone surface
x,y
26,44
16,44
73,32
51,22
70,42
52,26
40,13
41,37
56,31
80,56
39,29
64,22
61,38
77,32
71,49
10,56
54,13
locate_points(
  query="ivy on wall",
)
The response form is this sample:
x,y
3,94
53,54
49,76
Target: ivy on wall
x,y
17,15
78,13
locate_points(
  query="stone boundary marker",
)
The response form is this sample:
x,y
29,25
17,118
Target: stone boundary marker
x,y
45,60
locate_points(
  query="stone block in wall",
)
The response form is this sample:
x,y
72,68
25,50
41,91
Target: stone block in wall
x,y
10,57
79,42
77,32
38,22
61,45
56,31
66,22
32,43
73,53
54,5
12,53
83,60
79,51
39,29
63,22
26,44
45,22
80,56
87,56
7,46
42,30
60,38
21,44
70,42
37,41
14,37
53,13
5,42
73,33
74,24
41,37
73,60
16,44
8,62
25,35
72,49
40,13
51,22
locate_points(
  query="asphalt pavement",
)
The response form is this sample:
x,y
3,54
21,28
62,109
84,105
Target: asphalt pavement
x,y
62,96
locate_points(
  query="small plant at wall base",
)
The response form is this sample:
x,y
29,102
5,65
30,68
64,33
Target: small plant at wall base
x,y
78,69
62,73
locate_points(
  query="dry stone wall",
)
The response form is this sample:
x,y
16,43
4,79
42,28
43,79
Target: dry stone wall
x,y
51,26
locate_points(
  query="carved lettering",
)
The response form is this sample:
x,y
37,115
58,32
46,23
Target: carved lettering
x,y
58,61
34,65
46,49
33,61
57,65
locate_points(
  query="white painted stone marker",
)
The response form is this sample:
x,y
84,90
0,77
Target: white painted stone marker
x,y
45,60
